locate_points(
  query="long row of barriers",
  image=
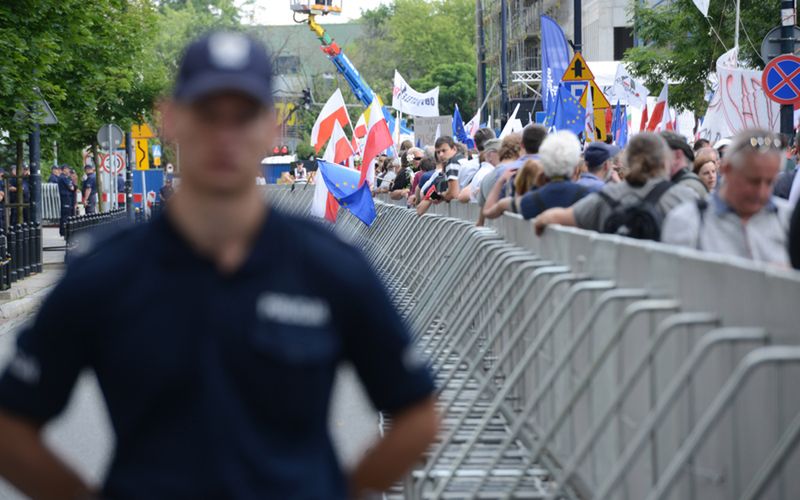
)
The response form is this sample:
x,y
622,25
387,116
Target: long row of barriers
x,y
589,366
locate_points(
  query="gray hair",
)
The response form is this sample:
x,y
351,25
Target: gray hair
x,y
560,154
753,141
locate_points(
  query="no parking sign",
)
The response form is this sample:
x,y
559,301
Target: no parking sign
x,y
781,79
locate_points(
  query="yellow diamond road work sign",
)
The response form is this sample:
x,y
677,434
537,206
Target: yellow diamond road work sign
x,y
142,131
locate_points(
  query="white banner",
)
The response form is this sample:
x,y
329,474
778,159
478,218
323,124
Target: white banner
x,y
409,101
739,102
627,90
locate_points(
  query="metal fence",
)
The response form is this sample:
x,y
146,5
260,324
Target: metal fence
x,y
51,203
580,365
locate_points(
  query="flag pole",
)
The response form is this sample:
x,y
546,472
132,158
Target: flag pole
x,y
736,31
397,126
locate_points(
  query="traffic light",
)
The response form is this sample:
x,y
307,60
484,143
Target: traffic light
x,y
307,98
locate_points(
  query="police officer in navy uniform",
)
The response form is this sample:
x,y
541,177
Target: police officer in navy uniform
x,y
219,384
90,189
55,173
65,191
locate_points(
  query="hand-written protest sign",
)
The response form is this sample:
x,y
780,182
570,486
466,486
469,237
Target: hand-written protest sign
x,y
407,100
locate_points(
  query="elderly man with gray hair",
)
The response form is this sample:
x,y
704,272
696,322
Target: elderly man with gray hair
x,y
743,218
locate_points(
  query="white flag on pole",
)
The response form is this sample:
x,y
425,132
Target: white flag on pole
x,y
511,124
409,101
473,125
702,5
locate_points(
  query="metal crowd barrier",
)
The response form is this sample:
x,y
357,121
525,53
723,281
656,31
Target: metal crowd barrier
x,y
589,366
51,204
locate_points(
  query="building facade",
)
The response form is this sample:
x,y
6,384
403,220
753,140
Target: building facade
x,y
607,33
299,64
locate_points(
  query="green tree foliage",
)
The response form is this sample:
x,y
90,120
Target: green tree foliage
x,y
456,83
427,41
94,62
680,45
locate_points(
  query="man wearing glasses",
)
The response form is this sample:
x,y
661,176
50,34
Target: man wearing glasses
x,y
742,219
405,173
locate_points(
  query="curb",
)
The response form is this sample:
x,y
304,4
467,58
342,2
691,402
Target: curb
x,y
24,306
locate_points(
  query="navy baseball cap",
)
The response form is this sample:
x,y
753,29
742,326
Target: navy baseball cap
x,y
598,153
224,61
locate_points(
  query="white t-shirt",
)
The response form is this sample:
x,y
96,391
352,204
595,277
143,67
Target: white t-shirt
x,y
388,180
475,185
467,171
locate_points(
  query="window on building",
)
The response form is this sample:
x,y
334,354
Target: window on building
x,y
623,40
287,65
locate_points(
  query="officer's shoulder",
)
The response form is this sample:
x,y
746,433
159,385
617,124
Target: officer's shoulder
x,y
314,238
109,249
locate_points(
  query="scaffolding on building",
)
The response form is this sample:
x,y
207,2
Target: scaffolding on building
x,y
522,51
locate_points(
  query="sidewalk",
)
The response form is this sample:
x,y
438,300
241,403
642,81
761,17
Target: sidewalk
x,y
25,296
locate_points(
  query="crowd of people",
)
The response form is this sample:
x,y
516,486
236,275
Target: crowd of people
x,y
734,197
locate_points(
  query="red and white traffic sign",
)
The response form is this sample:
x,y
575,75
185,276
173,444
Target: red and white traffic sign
x,y
117,162
781,79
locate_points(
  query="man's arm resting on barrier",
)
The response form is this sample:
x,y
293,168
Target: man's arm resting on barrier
x,y
465,193
562,216
494,206
398,194
452,190
412,431
423,206
29,465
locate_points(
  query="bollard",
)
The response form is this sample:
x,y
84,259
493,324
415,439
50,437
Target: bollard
x,y
20,253
26,249
39,247
32,247
3,262
12,246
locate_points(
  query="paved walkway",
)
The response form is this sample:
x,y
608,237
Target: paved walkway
x,y
26,295
82,434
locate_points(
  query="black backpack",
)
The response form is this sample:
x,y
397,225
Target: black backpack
x,y
641,220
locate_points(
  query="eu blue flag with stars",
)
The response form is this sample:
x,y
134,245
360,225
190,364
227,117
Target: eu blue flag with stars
x,y
569,114
458,130
619,127
554,62
342,183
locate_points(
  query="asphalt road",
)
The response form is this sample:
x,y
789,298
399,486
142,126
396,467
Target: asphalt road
x,y
82,435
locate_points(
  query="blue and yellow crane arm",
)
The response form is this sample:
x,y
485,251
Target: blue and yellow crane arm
x,y
360,88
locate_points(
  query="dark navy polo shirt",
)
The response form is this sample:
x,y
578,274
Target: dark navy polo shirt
x,y
90,183
551,195
218,386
